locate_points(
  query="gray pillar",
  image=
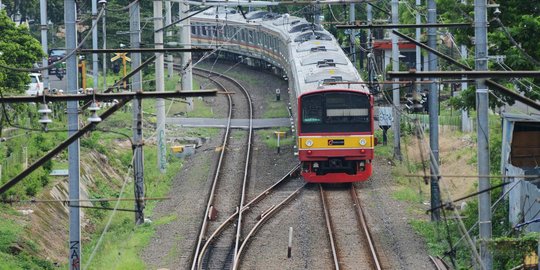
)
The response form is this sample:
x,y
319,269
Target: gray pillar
x,y
70,17
185,38
104,30
395,92
168,21
160,87
418,50
95,63
482,107
433,114
44,43
352,18
465,123
138,165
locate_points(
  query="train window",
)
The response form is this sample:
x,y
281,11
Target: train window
x,y
193,30
204,33
250,36
335,112
312,109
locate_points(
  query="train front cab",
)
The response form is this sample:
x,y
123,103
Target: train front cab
x,y
336,136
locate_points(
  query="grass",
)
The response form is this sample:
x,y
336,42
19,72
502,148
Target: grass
x,y
270,138
123,242
276,109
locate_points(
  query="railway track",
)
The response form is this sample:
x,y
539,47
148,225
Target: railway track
x,y
359,251
227,191
439,263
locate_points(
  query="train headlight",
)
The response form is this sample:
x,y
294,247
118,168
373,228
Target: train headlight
x,y
362,141
309,143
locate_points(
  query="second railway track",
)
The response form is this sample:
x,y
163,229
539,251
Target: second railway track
x,y
227,190
350,240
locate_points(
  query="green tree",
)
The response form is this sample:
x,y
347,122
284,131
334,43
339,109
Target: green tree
x,y
16,46
512,34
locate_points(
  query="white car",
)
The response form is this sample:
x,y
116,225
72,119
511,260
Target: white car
x,y
36,85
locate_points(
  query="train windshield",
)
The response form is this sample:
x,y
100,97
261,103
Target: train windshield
x,y
335,112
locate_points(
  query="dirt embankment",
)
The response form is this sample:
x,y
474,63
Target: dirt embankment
x,y
47,224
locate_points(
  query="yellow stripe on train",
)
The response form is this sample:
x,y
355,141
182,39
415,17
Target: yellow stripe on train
x,y
335,142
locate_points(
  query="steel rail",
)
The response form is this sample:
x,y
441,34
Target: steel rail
x,y
204,225
246,207
439,263
197,257
360,217
271,212
330,227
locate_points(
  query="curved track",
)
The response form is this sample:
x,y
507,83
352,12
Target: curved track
x,y
221,179
337,215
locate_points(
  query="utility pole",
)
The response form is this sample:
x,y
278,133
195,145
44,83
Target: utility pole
x,y
104,33
371,72
395,92
138,164
70,17
160,87
433,114
418,50
352,18
185,38
168,21
465,123
94,46
44,42
482,106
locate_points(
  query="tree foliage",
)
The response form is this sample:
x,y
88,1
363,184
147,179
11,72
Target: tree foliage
x,y
18,47
512,34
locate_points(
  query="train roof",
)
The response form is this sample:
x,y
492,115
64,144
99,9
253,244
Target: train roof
x,y
314,54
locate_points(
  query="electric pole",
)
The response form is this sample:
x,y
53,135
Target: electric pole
x,y
482,107
395,92
95,62
185,38
104,33
352,18
168,21
70,17
44,27
465,123
160,87
433,114
418,50
138,164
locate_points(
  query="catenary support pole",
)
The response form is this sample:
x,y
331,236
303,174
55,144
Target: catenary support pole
x,y
482,107
70,17
160,87
104,37
95,63
185,38
371,72
465,123
418,50
352,37
44,41
138,165
395,92
433,113
168,21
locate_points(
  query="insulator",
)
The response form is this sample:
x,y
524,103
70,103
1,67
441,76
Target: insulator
x,y
94,118
94,107
44,109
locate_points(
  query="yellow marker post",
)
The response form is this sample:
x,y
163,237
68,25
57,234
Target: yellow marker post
x,y
279,134
125,59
